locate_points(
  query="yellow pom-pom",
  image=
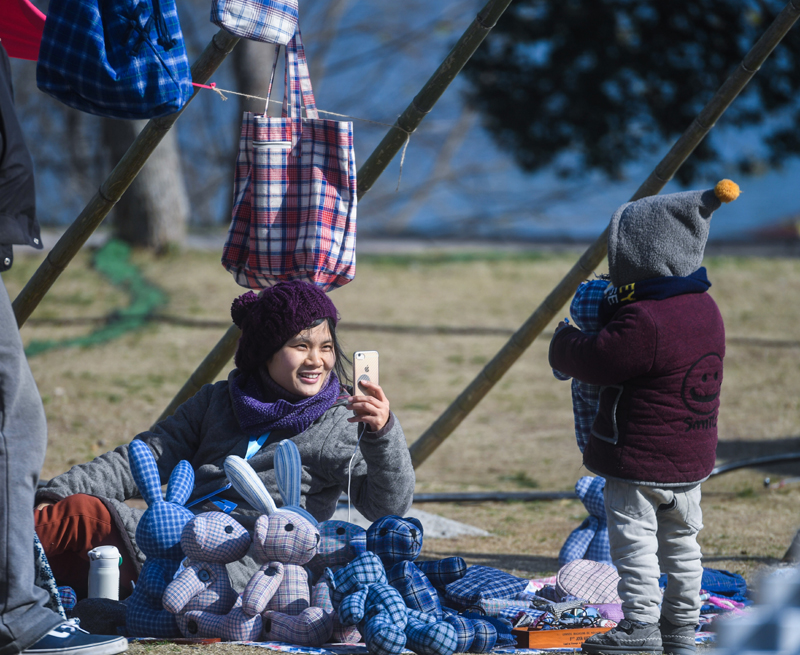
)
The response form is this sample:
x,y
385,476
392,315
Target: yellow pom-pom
x,y
726,190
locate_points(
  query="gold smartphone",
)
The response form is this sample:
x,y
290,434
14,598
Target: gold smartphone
x,y
365,368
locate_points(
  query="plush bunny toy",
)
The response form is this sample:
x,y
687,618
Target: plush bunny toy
x,y
398,542
284,539
210,541
158,535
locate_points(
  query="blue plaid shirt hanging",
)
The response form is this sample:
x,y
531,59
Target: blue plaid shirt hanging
x,y
118,58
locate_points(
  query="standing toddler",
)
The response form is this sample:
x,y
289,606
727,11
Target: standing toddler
x,y
658,361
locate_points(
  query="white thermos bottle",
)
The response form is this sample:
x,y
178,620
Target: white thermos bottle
x,y
104,564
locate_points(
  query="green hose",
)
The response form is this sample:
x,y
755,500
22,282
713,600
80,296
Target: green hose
x,y
113,262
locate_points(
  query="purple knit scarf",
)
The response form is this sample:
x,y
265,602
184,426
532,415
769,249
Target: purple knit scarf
x,y
274,408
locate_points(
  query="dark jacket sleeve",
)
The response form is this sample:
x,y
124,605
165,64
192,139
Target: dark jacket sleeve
x,y
18,223
625,348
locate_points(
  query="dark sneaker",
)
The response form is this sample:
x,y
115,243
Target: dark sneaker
x,y
69,639
627,637
677,639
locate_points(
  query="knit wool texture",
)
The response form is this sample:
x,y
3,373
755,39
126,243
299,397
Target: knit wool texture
x,y
660,236
279,313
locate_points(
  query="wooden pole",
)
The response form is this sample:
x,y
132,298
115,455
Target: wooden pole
x,y
369,172
422,104
114,186
558,297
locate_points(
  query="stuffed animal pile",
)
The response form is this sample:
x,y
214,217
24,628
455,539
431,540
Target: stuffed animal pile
x,y
317,583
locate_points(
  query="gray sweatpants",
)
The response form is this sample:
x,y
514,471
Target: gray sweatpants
x,y
24,619
653,530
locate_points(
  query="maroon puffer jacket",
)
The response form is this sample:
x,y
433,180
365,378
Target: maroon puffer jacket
x,y
660,364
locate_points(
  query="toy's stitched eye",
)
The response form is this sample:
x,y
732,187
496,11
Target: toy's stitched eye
x,y
413,533
340,530
228,529
288,527
270,571
267,625
191,627
384,532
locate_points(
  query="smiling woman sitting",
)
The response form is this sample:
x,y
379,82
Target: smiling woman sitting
x,y
288,384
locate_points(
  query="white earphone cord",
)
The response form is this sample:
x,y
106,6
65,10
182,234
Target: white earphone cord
x,y
361,428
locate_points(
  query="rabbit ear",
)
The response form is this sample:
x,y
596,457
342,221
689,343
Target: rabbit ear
x,y
145,471
288,469
181,483
246,481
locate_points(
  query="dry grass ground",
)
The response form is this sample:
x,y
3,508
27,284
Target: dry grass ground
x,y
519,438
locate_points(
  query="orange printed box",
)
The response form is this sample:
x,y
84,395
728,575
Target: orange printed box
x,y
569,638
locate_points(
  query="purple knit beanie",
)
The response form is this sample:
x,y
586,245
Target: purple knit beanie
x,y
268,320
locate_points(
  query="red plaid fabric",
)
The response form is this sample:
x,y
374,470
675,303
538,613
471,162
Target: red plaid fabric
x,y
294,210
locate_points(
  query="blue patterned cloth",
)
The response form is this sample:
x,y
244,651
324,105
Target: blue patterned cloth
x,y
483,582
585,312
365,569
590,539
115,58
442,572
268,21
395,539
340,543
427,636
380,614
719,583
44,578
68,598
416,590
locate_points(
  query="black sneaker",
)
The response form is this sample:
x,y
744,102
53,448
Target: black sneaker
x,y
678,639
69,639
627,637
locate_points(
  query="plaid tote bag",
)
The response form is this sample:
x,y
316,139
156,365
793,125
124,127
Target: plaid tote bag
x,y
115,58
294,209
269,21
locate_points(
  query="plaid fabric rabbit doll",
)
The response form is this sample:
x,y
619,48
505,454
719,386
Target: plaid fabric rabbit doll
x,y
210,541
158,534
285,539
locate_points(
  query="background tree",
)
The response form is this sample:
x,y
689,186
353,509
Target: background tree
x,y
596,84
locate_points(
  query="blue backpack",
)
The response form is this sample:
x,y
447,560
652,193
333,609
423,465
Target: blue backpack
x,y
115,58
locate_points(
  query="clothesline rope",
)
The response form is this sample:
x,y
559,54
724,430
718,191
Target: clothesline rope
x,y
221,92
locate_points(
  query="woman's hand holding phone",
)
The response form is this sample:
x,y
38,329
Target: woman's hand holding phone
x,y
372,409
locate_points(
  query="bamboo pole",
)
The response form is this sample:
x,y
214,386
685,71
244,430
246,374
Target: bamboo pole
x,y
561,294
114,186
369,172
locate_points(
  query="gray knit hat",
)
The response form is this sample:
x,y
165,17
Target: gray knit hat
x,y
662,236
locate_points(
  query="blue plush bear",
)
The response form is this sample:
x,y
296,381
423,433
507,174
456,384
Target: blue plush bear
x,y
362,597
398,542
